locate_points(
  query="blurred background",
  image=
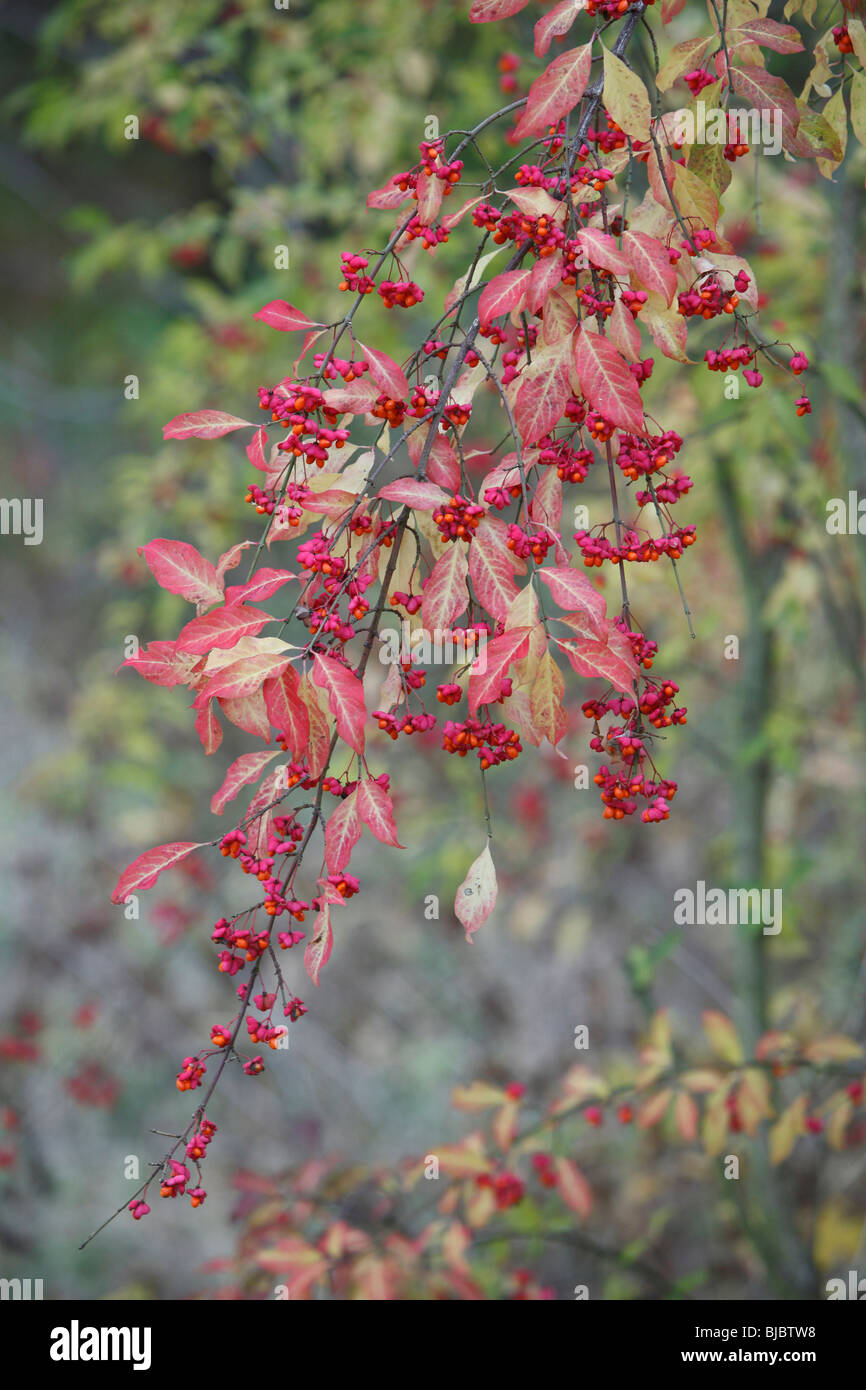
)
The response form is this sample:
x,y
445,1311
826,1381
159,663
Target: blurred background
x,y
147,258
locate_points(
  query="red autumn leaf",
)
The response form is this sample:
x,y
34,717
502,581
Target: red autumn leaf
x,y
376,810
443,466
287,711
356,398
161,664
345,698
231,558
389,196
209,729
483,11
262,585
544,388
221,627
416,493
248,712
178,567
492,567
256,449
318,951
769,33
651,264
342,833
601,250
241,677
606,381
598,660
429,191
203,424
316,756
504,293
555,23
245,769
571,589
445,594
546,276
624,332
556,92
385,372
573,1187
284,316
494,661
143,872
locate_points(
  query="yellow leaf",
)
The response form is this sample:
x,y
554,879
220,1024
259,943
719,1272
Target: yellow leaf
x,y
626,98
787,1129
722,1036
836,1048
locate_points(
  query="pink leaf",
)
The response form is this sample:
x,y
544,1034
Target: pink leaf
x,y
248,712
781,38
492,567
221,627
262,585
443,467
145,870
242,677
606,381
598,660
555,23
504,293
231,558
546,275
259,818
354,399
203,424
256,449
624,332
345,698
342,833
178,567
545,507
284,316
556,92
320,734
245,769
429,191
483,11
651,264
454,217
571,589
601,250
287,711
376,810
445,593
160,664
415,492
494,661
318,952
476,896
385,372
389,196
209,729
573,1187
544,389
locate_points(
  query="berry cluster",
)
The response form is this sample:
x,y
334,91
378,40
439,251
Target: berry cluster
x,y
492,743
458,519
404,293
596,549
